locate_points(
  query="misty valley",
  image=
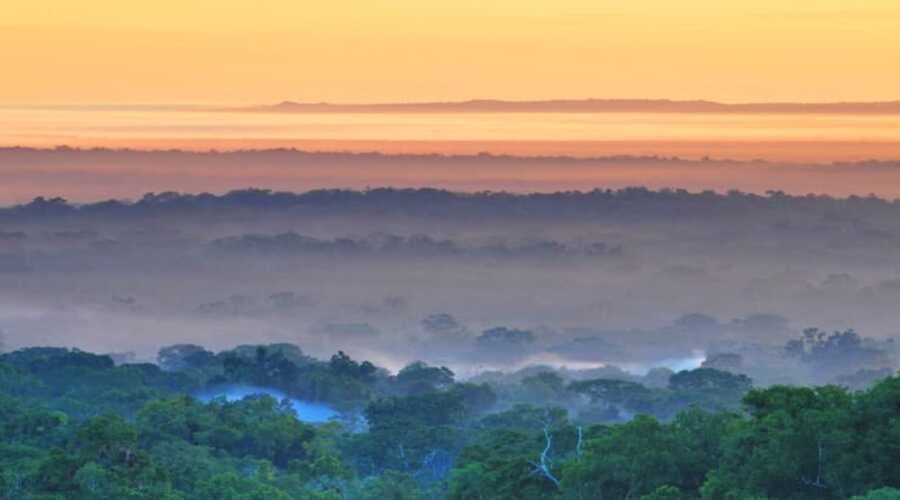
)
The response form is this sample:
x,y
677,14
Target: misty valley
x,y
449,250
421,343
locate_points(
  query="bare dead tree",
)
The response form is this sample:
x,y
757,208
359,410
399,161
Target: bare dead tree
x,y
818,483
542,467
579,443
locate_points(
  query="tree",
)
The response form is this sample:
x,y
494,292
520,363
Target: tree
x,y
476,398
545,387
811,443
182,357
343,365
108,439
619,395
497,465
710,388
95,481
419,378
412,434
627,461
838,353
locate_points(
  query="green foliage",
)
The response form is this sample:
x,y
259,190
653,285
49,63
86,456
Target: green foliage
x,y
812,443
420,378
231,486
704,387
499,466
629,396
880,494
664,493
431,409
74,425
391,485
476,398
343,365
710,388
257,426
412,434
545,386
83,384
628,460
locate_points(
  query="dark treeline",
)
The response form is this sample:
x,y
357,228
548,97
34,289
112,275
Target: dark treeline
x,y
400,246
93,174
634,201
77,425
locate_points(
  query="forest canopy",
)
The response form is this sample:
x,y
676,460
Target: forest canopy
x,y
77,425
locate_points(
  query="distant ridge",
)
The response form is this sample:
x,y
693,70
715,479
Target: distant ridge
x,y
582,106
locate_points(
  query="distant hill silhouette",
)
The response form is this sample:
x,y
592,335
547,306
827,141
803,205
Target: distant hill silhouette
x,y
583,106
85,174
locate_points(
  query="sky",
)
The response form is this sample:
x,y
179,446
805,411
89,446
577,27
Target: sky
x,y
263,51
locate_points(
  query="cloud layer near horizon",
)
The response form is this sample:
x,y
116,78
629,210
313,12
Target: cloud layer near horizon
x,y
90,175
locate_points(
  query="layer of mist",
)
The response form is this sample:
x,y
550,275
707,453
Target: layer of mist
x,y
634,279
87,175
305,410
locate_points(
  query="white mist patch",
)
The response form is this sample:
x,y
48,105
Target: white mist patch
x,y
306,411
675,364
552,360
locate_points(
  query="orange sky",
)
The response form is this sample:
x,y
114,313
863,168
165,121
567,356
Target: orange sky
x,y
242,52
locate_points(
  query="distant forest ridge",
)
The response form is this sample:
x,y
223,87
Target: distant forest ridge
x,y
582,106
440,202
18,154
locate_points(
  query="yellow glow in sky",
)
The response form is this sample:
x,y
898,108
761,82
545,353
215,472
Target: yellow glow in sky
x,y
243,52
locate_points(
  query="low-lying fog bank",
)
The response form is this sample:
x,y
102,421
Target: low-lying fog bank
x,y
477,282
305,410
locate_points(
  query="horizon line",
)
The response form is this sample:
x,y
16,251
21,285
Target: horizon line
x,y
591,105
637,103
481,155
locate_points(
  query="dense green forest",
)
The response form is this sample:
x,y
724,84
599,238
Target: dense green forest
x,y
77,425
